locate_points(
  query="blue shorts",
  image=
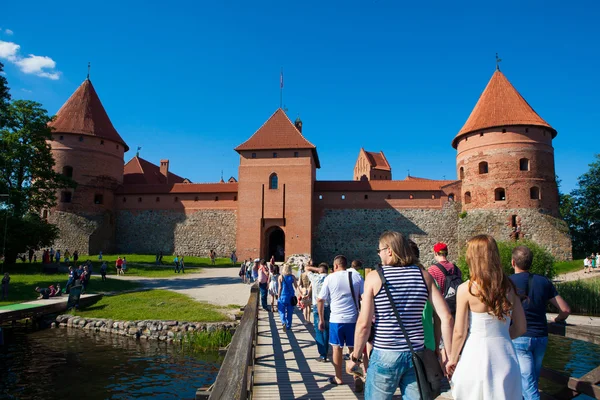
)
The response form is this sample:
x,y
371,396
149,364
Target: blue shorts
x,y
340,334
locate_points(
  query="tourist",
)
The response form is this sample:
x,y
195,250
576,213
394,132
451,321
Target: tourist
x,y
76,256
286,285
356,266
212,255
447,275
119,265
233,258
71,280
342,290
51,254
90,266
263,284
587,265
242,272
52,291
5,282
103,269
160,258
124,265
536,292
317,277
486,304
597,259
79,271
272,261
390,364
100,256
84,278
305,290
181,265
31,252
255,270
67,257
176,262
57,256
593,261
34,257
44,293
273,286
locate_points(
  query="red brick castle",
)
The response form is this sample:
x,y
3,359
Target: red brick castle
x,y
506,187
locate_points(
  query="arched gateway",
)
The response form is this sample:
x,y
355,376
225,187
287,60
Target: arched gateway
x,y
275,240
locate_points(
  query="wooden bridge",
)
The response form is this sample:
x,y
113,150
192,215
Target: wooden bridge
x,y
264,362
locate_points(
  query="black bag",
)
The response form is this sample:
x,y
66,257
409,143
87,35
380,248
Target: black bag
x,y
451,283
427,368
294,301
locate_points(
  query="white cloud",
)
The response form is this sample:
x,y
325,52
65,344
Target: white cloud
x,y
42,66
9,32
26,90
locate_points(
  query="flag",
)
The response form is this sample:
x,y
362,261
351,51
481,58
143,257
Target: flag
x,y
281,80
139,148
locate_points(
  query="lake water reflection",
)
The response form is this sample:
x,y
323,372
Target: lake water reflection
x,y
69,364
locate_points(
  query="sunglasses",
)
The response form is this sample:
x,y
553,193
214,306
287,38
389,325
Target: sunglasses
x,y
380,250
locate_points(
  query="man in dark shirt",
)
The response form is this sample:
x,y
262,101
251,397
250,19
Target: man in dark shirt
x,y
536,292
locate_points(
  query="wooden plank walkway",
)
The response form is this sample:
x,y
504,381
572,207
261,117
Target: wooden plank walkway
x,y
286,366
40,307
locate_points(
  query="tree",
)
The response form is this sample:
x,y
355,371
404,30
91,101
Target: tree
x,y
26,174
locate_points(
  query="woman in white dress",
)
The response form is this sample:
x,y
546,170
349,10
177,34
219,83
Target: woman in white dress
x,y
488,368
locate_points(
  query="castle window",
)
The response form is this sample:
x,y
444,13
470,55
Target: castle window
x,y
503,130
526,130
65,197
410,196
481,134
196,198
273,181
98,199
467,197
534,193
343,197
45,214
158,199
124,199
366,197
483,167
67,171
253,155
139,199
176,199
433,197
81,138
451,197
216,198
461,173
102,142
296,154
389,196
117,147
500,194
234,198
524,164
61,137
274,155
320,197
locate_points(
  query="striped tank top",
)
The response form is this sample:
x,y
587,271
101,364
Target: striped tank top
x,y
410,295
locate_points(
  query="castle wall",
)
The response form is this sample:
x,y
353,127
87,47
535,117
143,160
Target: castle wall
x,y
354,232
547,231
192,233
88,234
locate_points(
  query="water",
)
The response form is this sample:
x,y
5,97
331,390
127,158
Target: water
x,y
71,363
571,357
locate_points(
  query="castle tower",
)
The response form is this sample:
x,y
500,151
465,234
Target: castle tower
x,y
276,180
505,157
372,166
86,147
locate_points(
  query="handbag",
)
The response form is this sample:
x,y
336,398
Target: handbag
x,y
427,368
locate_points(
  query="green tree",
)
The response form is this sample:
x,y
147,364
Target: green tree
x,y
584,217
27,175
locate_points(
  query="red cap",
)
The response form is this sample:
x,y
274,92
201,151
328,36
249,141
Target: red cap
x,y
440,247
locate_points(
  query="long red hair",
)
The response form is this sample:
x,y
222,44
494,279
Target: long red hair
x,y
493,285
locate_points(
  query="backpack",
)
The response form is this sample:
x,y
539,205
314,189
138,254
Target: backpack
x,y
451,283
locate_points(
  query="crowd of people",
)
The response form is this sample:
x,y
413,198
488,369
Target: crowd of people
x,y
591,262
484,334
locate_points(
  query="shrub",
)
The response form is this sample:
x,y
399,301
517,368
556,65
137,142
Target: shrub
x,y
462,215
543,261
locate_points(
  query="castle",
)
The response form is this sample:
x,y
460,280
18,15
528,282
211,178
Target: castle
x,y
506,188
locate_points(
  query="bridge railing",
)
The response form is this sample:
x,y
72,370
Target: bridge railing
x,y
236,375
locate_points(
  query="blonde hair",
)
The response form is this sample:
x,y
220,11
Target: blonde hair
x,y
486,271
286,269
402,254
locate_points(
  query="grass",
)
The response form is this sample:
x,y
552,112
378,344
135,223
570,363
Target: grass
x,y
153,304
25,278
563,267
205,341
190,261
583,296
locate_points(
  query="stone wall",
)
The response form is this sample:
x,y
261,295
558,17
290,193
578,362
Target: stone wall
x,y
355,232
168,331
86,234
195,234
547,231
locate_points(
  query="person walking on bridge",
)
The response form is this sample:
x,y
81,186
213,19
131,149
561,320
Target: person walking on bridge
x,y
263,283
287,284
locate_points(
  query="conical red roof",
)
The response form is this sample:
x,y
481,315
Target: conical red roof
x,y
501,104
278,133
83,114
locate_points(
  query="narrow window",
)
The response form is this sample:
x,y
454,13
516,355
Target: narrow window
x,y
196,198
410,196
433,197
320,197
102,142
526,130
462,173
296,154
216,198
253,155
534,193
451,197
81,138
139,199
45,214
524,164
98,199
234,198
62,137
273,181
483,167
343,197
176,199
65,197
481,134
389,196
67,171
274,155
124,199
158,199
366,197
513,221
503,130
467,197
500,194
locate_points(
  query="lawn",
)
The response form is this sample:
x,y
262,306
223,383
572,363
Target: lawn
x,y
190,261
22,285
153,304
563,267
583,296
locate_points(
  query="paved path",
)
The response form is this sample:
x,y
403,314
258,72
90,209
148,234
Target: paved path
x,y
577,275
285,366
221,286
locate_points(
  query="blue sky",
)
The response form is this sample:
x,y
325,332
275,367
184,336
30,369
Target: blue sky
x,y
189,81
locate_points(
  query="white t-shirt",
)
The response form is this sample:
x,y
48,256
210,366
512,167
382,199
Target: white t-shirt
x,y
336,292
362,282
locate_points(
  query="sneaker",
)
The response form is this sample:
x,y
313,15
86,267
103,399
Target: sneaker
x,y
359,385
347,356
321,359
284,328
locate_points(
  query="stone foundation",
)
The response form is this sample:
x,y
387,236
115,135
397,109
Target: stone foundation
x,y
87,234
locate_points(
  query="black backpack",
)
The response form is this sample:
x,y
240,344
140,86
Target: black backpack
x,y
451,283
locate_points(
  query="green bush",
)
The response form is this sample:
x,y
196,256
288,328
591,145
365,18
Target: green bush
x,y
543,261
462,215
